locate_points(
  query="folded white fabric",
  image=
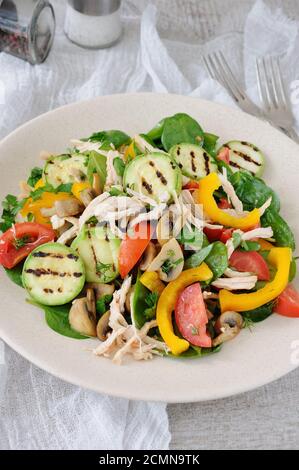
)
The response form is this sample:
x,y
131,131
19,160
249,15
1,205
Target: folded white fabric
x,y
39,411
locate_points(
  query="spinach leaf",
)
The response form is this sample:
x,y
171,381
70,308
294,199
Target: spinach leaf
x,y
11,206
15,274
281,230
119,166
217,259
209,143
197,258
156,132
57,318
48,188
181,128
293,270
114,137
97,164
192,239
35,176
260,313
139,303
196,351
102,304
151,301
252,191
250,246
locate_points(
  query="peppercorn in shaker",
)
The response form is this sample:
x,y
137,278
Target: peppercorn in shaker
x,y
27,29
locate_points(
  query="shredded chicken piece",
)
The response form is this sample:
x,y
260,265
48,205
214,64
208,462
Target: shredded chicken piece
x,y
142,198
231,193
89,211
153,214
232,273
260,232
59,222
265,206
143,145
112,178
68,235
235,283
85,146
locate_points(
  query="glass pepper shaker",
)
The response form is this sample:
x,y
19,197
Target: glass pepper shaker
x,y
27,29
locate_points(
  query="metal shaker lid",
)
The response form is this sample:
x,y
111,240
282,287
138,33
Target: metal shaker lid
x,y
42,31
95,7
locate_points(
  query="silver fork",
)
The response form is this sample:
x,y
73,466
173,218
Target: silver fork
x,y
219,70
275,102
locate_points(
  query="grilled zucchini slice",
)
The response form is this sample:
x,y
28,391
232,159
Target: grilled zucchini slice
x,y
245,156
155,175
194,161
63,169
53,274
99,250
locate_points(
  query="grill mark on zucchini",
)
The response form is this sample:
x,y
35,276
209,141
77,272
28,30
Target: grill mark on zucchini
x,y
159,175
207,160
94,256
234,164
48,272
250,145
245,157
193,166
147,185
48,290
43,254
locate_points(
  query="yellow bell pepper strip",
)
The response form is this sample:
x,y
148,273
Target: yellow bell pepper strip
x,y
39,184
46,200
152,281
204,195
280,258
78,187
167,302
130,151
267,246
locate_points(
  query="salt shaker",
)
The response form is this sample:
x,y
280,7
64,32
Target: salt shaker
x,y
93,24
27,29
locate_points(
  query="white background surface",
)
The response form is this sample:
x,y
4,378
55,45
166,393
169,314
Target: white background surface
x,y
266,418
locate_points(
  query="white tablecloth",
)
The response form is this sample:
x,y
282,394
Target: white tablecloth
x,y
39,411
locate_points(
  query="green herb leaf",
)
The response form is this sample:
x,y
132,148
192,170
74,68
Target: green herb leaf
x,y
22,241
169,264
104,270
35,176
97,164
102,304
119,166
197,258
250,246
11,206
237,239
151,300
217,259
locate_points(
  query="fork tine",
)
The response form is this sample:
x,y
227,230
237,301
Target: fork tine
x,y
206,60
230,74
262,82
273,83
279,81
223,78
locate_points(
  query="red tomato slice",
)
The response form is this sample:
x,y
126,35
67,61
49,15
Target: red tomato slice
x,y
224,204
252,262
191,316
288,302
224,155
18,241
227,233
191,185
132,248
213,234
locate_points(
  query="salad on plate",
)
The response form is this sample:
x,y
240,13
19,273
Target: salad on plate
x,y
165,243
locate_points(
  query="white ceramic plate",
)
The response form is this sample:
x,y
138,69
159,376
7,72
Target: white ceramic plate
x,y
251,360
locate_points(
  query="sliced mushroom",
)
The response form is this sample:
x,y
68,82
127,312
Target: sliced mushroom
x,y
77,174
68,207
101,289
91,302
86,196
96,184
228,325
103,327
164,228
48,211
81,319
170,261
148,256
